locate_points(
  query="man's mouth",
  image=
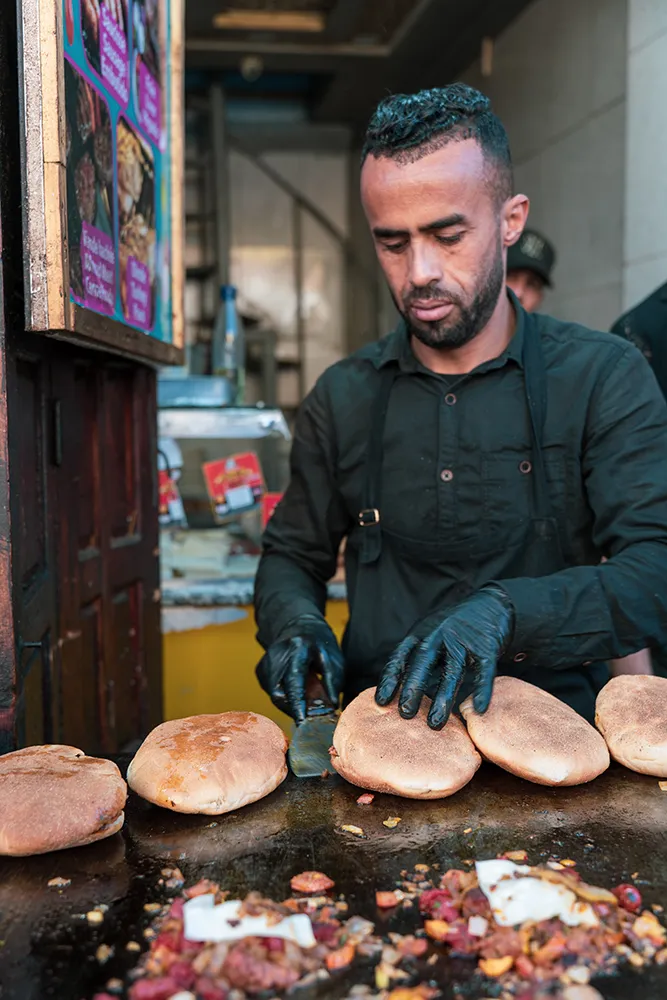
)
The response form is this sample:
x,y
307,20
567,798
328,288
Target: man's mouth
x,y
431,310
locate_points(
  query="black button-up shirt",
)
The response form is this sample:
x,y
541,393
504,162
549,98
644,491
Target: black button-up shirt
x,y
458,464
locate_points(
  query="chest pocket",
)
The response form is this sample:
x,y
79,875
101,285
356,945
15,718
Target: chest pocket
x,y
509,490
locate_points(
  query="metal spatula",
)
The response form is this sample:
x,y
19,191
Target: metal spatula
x,y
309,750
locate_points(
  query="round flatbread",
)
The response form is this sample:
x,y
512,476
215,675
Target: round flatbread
x,y
376,748
631,714
53,797
210,763
530,733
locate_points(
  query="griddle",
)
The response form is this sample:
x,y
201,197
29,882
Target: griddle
x,y
613,828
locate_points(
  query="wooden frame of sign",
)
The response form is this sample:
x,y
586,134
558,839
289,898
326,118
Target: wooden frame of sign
x,y
49,307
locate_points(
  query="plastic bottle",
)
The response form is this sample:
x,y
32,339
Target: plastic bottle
x,y
228,348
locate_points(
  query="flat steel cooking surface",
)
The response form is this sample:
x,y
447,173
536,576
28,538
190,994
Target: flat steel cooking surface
x,y
614,827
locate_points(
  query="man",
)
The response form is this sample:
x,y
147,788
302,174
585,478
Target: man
x,y
530,262
480,460
645,326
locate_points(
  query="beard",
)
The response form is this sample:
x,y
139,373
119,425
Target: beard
x,y
469,318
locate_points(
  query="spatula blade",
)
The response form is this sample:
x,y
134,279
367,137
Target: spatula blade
x,y
309,749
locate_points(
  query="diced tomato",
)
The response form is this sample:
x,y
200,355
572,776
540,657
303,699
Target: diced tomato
x,y
386,900
276,945
524,966
325,933
341,958
437,903
475,904
311,883
366,799
629,897
208,990
176,909
154,989
551,951
412,946
461,940
183,974
202,887
172,940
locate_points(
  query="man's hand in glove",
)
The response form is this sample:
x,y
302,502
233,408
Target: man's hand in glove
x,y
471,637
306,645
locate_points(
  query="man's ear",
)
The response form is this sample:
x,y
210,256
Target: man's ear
x,y
515,216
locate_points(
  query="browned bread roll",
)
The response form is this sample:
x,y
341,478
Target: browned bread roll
x,y
210,763
53,797
375,748
631,714
530,733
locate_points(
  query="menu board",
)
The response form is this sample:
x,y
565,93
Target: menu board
x,y
101,101
118,177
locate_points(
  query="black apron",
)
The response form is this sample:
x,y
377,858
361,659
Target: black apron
x,y
533,546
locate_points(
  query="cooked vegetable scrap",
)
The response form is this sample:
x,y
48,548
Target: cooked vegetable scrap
x,y
515,855
366,799
391,822
311,882
662,785
59,883
173,878
103,953
95,916
387,900
468,829
356,831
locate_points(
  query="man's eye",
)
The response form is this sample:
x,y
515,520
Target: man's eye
x,y
449,241
394,247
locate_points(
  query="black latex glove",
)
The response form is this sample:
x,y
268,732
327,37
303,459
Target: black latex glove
x,y
472,636
306,644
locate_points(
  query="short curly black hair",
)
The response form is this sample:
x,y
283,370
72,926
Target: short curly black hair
x,y
405,127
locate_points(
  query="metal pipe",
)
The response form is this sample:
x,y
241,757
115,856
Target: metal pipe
x,y
297,243
221,181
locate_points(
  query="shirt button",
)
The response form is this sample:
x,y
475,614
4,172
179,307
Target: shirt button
x,y
446,475
450,399
525,467
520,657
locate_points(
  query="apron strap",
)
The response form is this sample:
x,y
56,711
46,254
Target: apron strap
x,y
370,515
536,395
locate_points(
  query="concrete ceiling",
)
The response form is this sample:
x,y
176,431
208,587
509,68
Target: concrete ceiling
x,y
366,48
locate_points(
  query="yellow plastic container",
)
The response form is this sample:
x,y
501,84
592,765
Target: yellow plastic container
x,y
212,669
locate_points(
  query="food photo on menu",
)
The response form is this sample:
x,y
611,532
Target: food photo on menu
x,y
136,226
89,194
148,42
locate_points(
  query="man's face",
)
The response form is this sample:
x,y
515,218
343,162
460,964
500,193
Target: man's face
x,y
440,237
528,288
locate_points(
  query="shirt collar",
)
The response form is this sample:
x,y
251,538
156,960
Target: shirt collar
x,y
396,347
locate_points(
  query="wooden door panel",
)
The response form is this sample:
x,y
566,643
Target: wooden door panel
x,y
29,473
81,655
122,481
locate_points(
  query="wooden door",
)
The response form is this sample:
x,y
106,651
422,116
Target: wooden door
x,y
82,447
109,613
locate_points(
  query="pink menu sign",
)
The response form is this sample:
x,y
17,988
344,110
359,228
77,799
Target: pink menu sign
x,y
113,56
138,284
149,104
98,263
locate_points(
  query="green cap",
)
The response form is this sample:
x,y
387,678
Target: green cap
x,y
532,252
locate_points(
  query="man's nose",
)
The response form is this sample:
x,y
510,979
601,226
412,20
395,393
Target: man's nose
x,y
425,266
